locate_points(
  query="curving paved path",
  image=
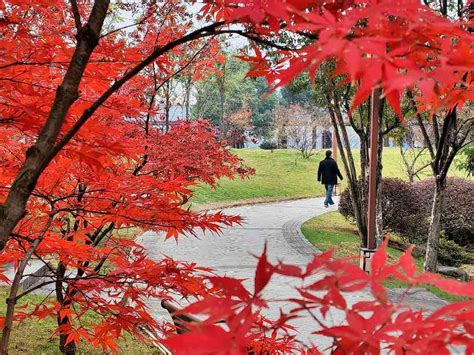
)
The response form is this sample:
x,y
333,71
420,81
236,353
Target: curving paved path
x,y
231,253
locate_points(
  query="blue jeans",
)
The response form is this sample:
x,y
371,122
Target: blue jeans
x,y
328,200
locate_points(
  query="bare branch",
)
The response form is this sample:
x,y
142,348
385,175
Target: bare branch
x,y
202,32
258,39
77,15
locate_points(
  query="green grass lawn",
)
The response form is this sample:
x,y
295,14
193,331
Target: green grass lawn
x,y
283,174
36,337
332,231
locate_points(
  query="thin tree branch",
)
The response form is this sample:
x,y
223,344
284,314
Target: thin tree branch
x,y
77,15
260,40
202,32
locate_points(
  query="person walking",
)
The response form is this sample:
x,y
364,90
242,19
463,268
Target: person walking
x,y
327,175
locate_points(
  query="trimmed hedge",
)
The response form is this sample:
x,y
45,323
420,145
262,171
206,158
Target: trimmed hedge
x,y
457,218
406,211
400,211
450,253
266,145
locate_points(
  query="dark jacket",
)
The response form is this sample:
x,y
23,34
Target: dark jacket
x,y
328,172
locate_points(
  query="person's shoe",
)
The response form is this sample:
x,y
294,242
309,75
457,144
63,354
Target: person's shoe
x,y
331,203
326,206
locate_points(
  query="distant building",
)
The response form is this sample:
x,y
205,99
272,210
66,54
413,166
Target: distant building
x,y
323,140
175,114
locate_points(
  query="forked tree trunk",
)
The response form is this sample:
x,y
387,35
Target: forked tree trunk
x,y
67,349
431,257
63,299
355,190
379,217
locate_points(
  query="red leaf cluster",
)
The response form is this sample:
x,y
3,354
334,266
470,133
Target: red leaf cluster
x,y
394,44
370,326
121,172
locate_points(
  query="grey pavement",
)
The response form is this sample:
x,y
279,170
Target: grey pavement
x,y
232,252
278,224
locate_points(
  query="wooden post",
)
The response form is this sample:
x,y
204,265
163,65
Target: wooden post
x,y
334,156
367,252
374,134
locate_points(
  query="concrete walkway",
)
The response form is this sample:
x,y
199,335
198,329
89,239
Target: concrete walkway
x,y
278,224
232,252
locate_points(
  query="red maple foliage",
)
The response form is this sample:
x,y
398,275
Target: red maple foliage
x,y
397,45
370,326
117,171
83,201
81,159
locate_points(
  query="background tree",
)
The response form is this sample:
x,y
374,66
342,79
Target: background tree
x,y
300,126
467,160
412,150
224,94
451,131
239,122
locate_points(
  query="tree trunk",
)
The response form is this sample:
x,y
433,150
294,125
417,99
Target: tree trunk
x,y
38,155
222,98
63,299
379,218
67,349
431,257
349,167
379,226
188,87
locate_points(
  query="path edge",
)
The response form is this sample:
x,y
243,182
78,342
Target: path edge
x,y
295,237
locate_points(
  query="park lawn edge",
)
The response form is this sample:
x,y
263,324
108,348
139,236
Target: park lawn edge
x,y
331,230
246,202
284,175
33,336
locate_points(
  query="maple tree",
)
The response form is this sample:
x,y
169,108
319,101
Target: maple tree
x,y
81,159
87,56
398,48
79,204
114,171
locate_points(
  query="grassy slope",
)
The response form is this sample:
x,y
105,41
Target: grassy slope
x,y
36,337
332,231
283,174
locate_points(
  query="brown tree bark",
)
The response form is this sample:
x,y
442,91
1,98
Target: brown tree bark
x,y
431,257
64,300
379,227
38,155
